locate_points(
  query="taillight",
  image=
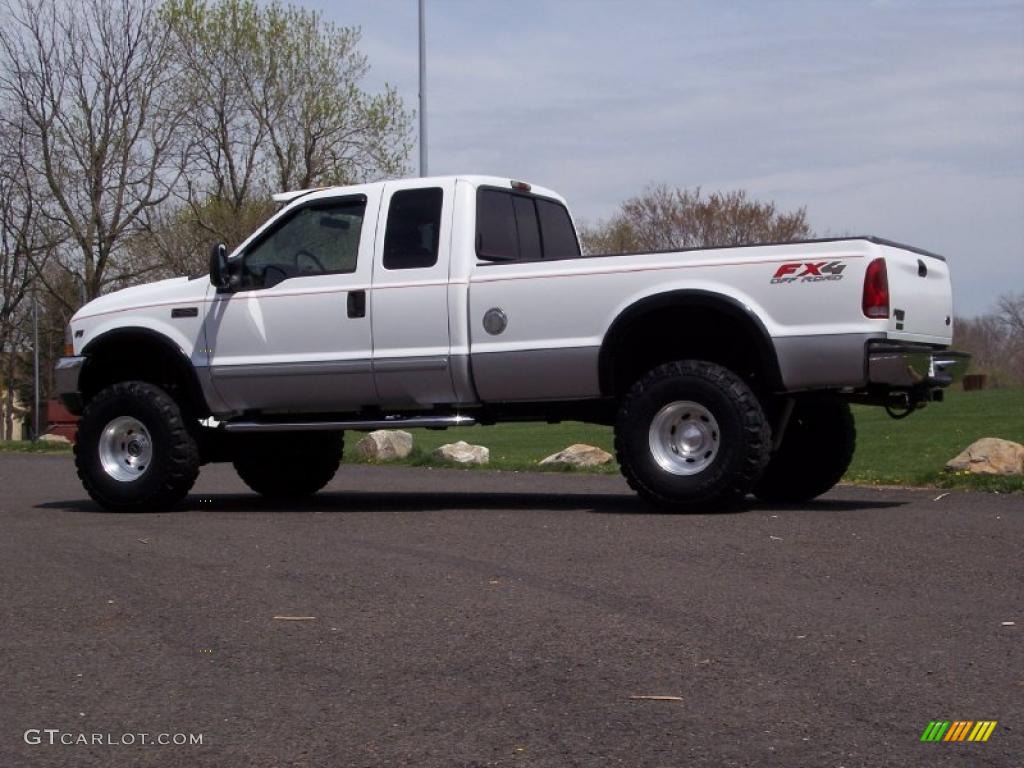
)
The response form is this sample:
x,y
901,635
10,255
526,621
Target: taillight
x,y
876,290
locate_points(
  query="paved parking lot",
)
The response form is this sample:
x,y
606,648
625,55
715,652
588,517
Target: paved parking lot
x,y
479,618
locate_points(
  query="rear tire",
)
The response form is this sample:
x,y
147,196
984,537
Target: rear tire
x,y
691,437
134,452
817,448
289,465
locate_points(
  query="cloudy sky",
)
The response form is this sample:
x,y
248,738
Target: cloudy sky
x,y
896,118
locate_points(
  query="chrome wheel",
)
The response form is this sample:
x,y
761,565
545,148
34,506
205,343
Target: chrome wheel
x,y
684,438
125,449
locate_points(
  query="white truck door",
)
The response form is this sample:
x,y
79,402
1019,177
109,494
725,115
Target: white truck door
x,y
411,342
296,335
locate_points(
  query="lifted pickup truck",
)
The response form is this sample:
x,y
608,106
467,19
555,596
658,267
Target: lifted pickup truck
x,y
450,301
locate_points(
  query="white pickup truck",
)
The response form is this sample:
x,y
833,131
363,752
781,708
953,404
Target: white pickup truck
x,y
438,302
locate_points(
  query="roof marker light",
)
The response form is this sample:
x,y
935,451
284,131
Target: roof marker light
x,y
522,186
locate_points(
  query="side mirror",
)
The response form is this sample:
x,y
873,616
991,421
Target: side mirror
x,y
219,266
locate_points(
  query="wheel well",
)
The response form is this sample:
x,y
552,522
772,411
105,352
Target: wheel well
x,y
139,354
687,325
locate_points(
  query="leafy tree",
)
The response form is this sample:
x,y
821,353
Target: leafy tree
x,y
667,218
275,103
178,238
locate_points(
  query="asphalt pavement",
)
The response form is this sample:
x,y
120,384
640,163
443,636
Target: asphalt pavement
x,y
418,617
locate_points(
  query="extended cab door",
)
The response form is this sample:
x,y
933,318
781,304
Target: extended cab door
x,y
411,342
296,335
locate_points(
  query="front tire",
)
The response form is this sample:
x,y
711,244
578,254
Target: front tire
x,y
816,450
289,465
134,452
691,436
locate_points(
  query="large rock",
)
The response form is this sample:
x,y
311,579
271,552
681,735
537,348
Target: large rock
x,y
990,456
385,445
462,453
58,439
578,455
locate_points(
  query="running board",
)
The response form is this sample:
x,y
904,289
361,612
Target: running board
x,y
396,422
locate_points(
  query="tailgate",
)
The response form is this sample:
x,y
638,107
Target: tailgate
x,y
920,296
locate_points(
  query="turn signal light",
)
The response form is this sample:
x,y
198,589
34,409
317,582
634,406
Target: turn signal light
x,y
876,290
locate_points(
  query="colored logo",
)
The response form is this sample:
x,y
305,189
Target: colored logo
x,y
958,730
809,272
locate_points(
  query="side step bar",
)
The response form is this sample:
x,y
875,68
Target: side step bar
x,y
395,422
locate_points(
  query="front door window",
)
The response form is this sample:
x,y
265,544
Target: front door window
x,y
317,239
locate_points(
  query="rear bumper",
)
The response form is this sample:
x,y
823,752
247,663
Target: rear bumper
x,y
66,374
912,366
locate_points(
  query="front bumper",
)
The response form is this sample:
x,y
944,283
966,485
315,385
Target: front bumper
x,y
914,367
66,374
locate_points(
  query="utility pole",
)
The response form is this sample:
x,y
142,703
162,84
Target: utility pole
x,y
423,91
35,346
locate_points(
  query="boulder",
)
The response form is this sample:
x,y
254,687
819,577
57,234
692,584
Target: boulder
x,y
578,455
60,439
385,445
462,453
990,456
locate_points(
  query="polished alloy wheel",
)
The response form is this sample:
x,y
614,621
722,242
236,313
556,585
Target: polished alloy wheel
x,y
684,438
125,449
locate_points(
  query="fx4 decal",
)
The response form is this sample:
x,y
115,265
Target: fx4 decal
x,y
808,272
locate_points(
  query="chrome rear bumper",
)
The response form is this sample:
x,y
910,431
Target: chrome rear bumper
x,y
904,366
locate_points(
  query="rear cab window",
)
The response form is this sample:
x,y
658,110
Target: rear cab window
x,y
515,226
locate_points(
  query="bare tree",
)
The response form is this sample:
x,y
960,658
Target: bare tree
x,y
1010,309
995,341
24,246
665,218
95,82
1010,314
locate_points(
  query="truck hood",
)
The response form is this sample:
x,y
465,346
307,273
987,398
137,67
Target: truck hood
x,y
174,290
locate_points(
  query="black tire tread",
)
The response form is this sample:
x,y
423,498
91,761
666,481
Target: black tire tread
x,y
307,465
754,424
180,465
805,468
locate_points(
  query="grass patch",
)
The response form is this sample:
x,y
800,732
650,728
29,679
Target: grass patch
x,y
514,446
28,446
911,451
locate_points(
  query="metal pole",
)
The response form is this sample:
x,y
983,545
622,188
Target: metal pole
x,y
35,344
423,91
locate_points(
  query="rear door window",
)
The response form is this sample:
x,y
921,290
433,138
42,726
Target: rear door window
x,y
414,229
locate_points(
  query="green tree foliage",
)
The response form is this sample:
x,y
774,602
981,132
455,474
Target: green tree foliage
x,y
666,218
275,103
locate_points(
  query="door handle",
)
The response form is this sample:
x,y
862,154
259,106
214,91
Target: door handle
x,y
357,303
